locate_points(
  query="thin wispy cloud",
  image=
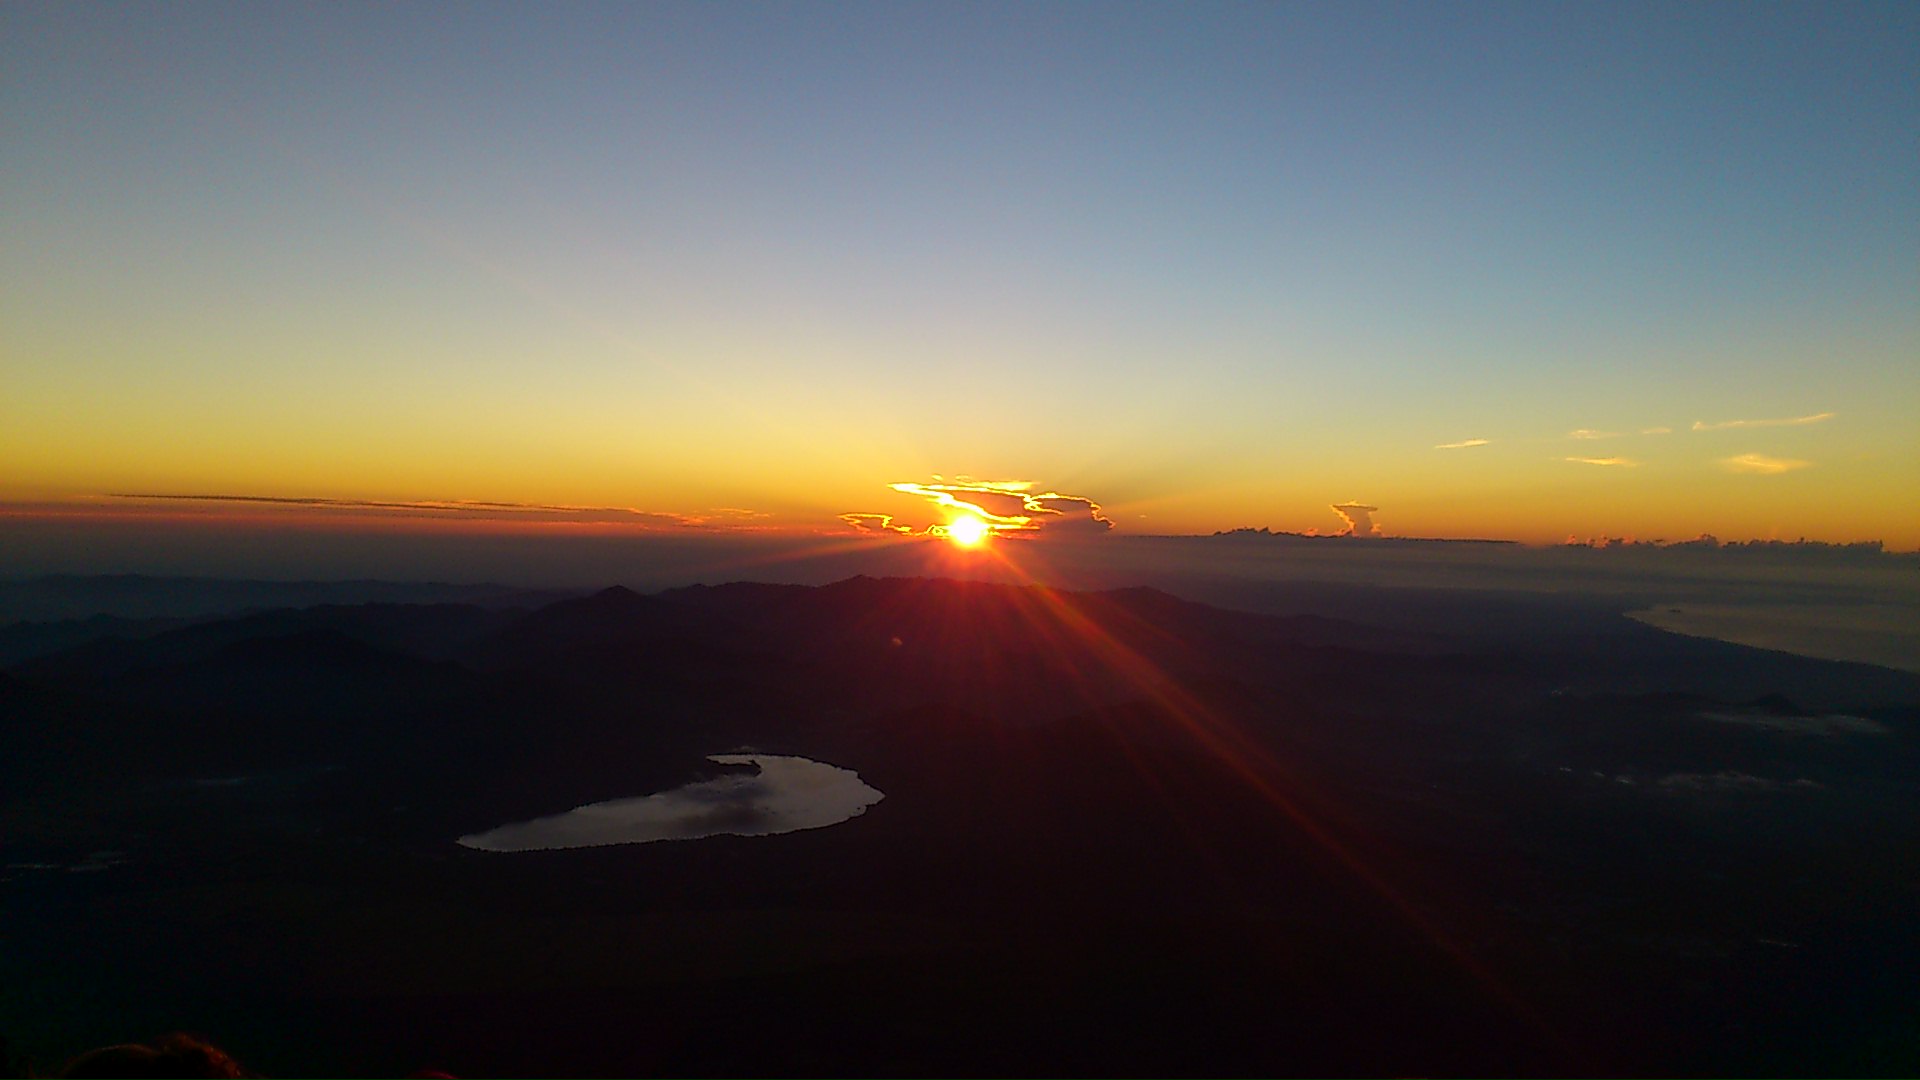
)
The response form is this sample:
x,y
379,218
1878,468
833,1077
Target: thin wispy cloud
x,y
1785,421
1761,464
1625,463
1656,431
447,509
1462,444
1589,433
875,523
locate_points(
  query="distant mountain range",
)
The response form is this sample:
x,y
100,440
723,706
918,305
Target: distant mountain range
x,y
1862,551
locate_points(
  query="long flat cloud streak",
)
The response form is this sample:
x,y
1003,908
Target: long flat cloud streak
x,y
1625,463
1788,421
1462,444
459,508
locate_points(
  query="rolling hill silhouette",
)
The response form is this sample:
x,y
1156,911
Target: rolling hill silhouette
x,y
1122,833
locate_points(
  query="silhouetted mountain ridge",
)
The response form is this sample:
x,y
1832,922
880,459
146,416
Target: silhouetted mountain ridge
x,y
1199,838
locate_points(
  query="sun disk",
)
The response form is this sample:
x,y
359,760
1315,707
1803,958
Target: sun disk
x,y
967,531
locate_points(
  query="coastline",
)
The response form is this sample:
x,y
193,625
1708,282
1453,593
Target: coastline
x,y
1887,635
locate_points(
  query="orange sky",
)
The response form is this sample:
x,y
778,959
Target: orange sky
x,y
1602,278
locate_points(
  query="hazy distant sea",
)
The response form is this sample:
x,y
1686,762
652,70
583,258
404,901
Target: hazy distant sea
x,y
1884,634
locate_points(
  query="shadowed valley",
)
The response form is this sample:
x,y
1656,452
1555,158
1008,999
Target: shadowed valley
x,y
1121,833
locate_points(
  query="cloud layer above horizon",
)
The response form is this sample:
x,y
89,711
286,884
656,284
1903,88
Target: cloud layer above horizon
x,y
1007,507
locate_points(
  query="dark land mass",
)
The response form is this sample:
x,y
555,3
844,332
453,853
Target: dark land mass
x,y
60,597
1123,834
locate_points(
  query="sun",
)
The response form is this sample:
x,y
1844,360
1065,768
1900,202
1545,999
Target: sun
x,y
967,531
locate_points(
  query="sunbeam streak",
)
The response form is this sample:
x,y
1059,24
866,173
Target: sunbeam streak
x,y
1082,643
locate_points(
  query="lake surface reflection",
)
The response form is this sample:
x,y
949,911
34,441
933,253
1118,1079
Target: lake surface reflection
x,y
786,795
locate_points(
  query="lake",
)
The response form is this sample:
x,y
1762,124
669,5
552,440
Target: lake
x,y
786,794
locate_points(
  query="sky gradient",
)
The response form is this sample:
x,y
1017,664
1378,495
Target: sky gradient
x,y
1517,271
